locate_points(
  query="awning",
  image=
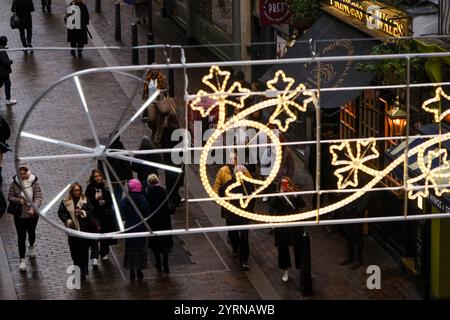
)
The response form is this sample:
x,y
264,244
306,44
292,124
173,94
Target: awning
x,y
334,74
413,167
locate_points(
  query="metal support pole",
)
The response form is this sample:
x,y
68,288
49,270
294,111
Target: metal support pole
x,y
171,83
134,43
150,15
117,31
98,6
150,51
305,266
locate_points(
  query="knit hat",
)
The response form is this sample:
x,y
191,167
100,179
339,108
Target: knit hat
x,y
134,185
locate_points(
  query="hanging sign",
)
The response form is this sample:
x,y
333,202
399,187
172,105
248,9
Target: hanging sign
x,y
273,12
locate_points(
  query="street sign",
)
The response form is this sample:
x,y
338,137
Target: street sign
x,y
273,12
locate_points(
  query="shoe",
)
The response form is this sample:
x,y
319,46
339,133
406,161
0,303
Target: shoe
x,y
105,257
285,276
10,102
83,278
158,267
346,261
30,50
132,274
166,269
265,199
72,52
356,265
140,275
80,55
23,265
245,267
95,264
31,252
43,9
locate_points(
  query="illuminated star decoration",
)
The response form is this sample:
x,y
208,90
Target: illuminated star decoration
x,y
436,110
355,162
286,99
430,175
220,94
240,181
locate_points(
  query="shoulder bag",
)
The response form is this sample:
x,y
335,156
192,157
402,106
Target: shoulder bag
x,y
14,208
14,22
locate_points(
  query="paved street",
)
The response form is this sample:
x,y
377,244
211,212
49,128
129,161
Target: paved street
x,y
202,266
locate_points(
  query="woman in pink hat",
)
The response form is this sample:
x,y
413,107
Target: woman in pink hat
x,y
135,248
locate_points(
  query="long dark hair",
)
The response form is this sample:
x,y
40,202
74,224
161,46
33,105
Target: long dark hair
x,y
94,171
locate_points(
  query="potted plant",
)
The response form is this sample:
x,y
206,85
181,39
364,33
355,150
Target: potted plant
x,y
303,13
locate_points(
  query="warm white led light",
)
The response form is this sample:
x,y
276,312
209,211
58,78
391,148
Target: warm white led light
x,y
363,151
436,111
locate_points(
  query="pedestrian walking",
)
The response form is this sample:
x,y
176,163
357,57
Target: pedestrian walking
x,y
353,233
159,220
46,5
154,80
143,170
5,133
140,11
77,21
239,238
5,71
121,168
102,212
75,212
23,9
25,217
173,180
287,237
135,258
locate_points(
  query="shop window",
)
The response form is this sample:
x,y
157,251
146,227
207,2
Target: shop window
x,y
348,121
217,12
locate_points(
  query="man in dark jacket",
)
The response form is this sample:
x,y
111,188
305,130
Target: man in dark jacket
x,y
23,9
239,238
5,70
77,21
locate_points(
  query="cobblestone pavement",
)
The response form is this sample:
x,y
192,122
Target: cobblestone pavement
x,y
202,266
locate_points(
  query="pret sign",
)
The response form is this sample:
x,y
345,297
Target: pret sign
x,y
273,12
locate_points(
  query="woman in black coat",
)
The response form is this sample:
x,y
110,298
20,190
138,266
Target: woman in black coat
x,y
5,70
287,236
143,170
100,197
135,248
23,9
173,180
77,21
75,212
159,220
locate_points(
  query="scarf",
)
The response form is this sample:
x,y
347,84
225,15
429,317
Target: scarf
x,y
70,206
27,192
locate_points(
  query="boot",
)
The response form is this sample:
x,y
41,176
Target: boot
x,y
140,274
132,274
359,253
350,254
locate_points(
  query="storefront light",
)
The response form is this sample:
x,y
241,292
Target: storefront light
x,y
396,120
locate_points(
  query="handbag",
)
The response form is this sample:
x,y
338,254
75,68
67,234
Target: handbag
x,y
14,22
164,106
14,208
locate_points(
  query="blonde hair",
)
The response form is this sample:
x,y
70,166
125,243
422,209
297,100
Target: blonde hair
x,y
70,195
152,179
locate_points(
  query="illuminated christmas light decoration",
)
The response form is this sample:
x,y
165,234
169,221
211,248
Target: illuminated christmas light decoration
x,y
286,99
430,175
221,94
436,111
363,151
356,162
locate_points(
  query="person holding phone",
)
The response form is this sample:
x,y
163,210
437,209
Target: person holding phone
x,y
74,211
290,236
100,197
